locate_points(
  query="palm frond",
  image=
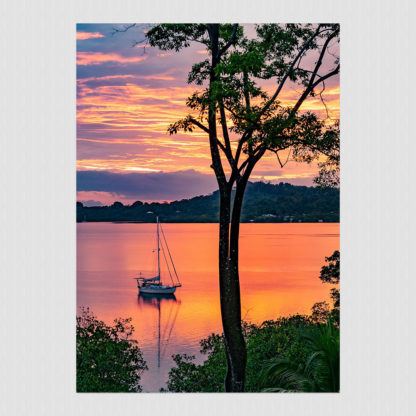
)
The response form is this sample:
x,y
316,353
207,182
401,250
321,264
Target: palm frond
x,y
318,373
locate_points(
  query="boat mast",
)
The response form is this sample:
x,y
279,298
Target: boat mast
x,y
171,260
158,249
158,340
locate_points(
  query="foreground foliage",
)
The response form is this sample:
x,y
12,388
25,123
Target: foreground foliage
x,y
287,354
107,360
319,372
263,343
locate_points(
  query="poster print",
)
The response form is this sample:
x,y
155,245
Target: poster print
x,y
208,208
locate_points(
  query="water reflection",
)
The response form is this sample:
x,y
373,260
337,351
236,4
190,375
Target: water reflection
x,y
279,269
165,324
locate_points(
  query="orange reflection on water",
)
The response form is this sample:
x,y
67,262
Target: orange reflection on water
x,y
279,269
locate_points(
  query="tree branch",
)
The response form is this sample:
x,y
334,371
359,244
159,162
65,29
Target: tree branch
x,y
323,101
311,87
251,162
221,146
230,42
321,55
312,83
240,146
249,131
124,29
227,148
287,74
213,32
198,124
259,150
225,134
278,158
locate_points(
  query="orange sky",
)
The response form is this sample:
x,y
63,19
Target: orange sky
x,y
126,98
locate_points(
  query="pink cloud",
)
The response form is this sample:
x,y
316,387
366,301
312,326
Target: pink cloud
x,y
128,97
88,35
91,58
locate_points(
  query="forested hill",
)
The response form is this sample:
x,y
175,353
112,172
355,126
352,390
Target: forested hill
x,y
262,203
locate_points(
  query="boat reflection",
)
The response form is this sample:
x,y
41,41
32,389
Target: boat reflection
x,y
165,321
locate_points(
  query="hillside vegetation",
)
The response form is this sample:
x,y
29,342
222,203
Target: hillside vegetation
x,y
263,203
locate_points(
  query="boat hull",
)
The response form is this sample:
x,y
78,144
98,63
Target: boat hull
x,y
159,290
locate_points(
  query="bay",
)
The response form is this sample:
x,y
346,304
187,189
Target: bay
x,y
279,269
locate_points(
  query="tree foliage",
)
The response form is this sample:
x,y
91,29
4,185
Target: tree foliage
x,y
263,342
288,354
231,89
243,121
319,372
263,203
330,273
107,359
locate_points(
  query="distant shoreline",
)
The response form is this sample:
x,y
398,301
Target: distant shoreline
x,y
209,222
263,203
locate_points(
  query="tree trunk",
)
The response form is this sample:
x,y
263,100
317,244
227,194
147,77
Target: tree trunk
x,y
235,347
230,287
230,304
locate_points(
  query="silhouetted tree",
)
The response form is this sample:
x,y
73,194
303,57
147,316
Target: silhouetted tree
x,y
243,122
107,359
137,204
330,273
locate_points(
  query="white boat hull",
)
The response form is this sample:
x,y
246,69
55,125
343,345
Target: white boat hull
x,y
157,289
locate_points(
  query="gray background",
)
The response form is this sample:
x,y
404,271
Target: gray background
x,y
37,222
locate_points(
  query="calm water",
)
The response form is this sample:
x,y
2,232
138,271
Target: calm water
x,y
279,268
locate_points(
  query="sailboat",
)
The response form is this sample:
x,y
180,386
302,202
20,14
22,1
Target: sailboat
x,y
154,284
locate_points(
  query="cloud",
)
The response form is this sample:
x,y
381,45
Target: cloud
x,y
93,58
127,97
96,188
92,203
154,186
89,35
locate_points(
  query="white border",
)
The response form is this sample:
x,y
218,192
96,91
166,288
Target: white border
x,y
38,199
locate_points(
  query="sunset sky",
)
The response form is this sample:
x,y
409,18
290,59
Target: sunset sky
x,y
127,96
